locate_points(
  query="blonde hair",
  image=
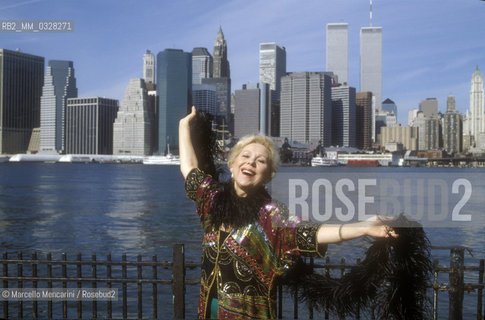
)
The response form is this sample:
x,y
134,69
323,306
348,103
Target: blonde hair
x,y
274,157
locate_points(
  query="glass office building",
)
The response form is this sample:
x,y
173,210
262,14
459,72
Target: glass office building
x,y
174,89
21,81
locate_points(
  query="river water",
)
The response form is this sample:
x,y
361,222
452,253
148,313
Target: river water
x,y
137,209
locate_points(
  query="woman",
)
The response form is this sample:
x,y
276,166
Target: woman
x,y
248,238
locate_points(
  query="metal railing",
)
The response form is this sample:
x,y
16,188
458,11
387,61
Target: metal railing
x,y
143,285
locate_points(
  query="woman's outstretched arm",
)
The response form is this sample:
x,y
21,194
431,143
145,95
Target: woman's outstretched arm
x,y
373,227
188,158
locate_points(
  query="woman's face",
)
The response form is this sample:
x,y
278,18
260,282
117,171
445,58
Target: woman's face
x,y
250,169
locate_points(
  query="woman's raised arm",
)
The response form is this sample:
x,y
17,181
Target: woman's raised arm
x,y
188,158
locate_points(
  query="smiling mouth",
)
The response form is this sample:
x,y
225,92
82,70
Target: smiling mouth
x,y
247,172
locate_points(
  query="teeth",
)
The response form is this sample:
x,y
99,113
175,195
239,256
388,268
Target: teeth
x,y
248,172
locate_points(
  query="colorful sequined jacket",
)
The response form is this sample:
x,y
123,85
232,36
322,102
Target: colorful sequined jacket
x,y
240,268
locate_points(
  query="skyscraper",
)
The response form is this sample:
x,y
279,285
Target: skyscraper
x,y
89,125
202,65
132,132
150,79
306,107
221,64
429,123
343,116
474,123
149,67
153,102
406,135
412,114
428,131
174,89
21,80
389,106
222,80
252,110
429,107
363,104
380,121
204,97
337,50
223,96
452,128
272,66
59,85
371,62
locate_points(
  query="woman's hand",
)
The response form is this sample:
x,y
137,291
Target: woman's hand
x,y
188,159
377,227
185,121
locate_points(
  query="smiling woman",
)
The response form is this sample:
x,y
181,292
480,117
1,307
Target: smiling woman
x,y
249,238
253,162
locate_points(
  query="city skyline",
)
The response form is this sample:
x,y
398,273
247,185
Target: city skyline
x,y
430,49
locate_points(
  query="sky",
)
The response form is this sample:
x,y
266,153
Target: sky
x,y
430,48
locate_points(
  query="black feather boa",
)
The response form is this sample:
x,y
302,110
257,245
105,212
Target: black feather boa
x,y
393,278
204,142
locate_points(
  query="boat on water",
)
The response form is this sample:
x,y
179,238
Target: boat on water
x,y
324,162
49,158
363,163
169,159
71,158
99,158
370,159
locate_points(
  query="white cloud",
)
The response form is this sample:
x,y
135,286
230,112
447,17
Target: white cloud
x,y
18,4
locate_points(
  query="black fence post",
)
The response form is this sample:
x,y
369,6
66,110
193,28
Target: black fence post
x,y
108,274
178,281
327,273
295,305
79,285
94,285
436,289
35,313
64,284
280,301
154,288
310,305
5,284
481,271
20,285
457,257
49,283
139,272
124,285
